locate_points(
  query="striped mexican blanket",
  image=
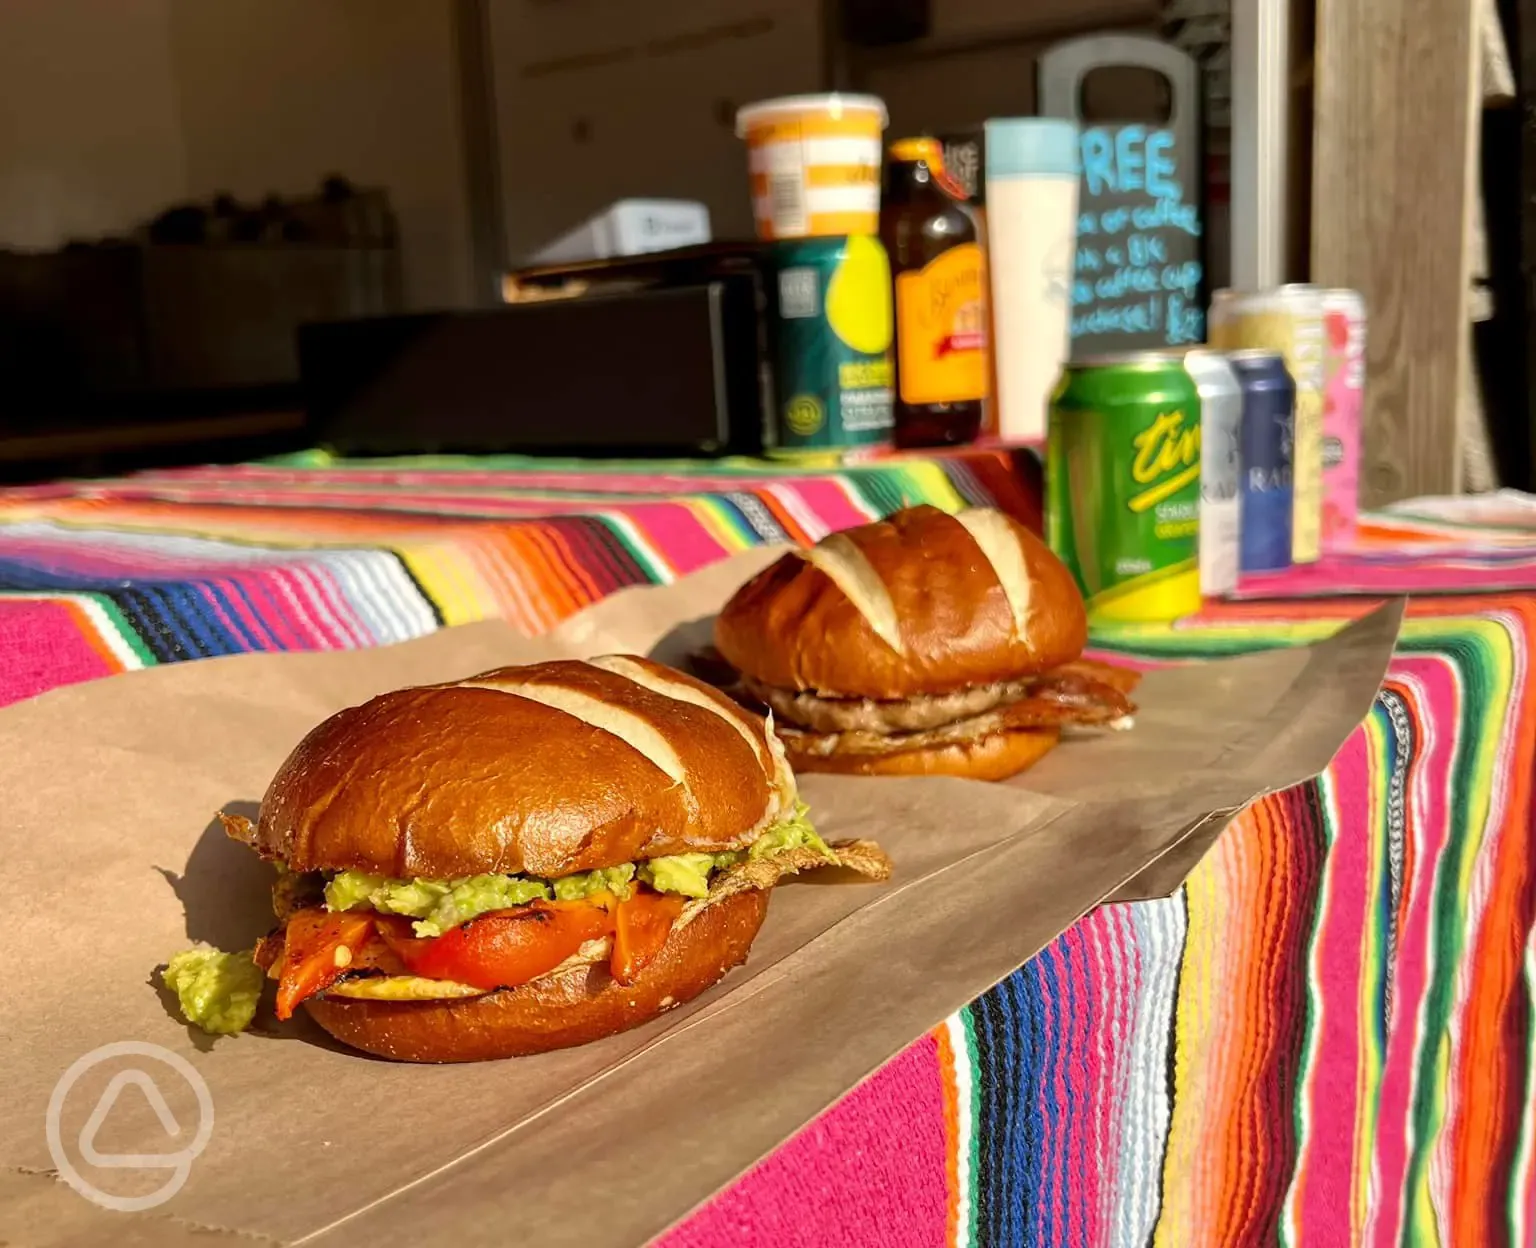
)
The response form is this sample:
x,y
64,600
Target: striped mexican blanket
x,y
1325,1037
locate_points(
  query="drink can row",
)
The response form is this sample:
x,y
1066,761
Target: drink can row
x,y
1288,319
1169,474
1320,333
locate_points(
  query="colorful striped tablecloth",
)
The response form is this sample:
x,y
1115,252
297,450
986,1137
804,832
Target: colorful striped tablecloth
x,y
1325,1037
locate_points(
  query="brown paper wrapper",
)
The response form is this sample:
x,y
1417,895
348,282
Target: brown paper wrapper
x,y
114,861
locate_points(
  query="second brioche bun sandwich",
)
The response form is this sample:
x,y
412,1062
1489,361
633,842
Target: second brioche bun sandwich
x,y
925,644
536,857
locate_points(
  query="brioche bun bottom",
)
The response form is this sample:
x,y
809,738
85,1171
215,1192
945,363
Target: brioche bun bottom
x,y
574,1007
993,757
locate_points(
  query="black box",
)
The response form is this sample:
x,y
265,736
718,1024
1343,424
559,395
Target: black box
x,y
657,371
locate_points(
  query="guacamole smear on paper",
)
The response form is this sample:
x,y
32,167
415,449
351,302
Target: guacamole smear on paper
x,y
217,991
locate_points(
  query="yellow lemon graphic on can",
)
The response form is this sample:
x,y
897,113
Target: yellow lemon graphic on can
x,y
859,297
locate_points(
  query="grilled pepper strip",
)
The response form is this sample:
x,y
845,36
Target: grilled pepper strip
x,y
318,949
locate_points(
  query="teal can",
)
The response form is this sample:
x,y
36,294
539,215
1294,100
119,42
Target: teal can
x,y
832,347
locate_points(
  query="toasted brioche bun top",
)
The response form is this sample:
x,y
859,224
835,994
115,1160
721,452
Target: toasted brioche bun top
x,y
920,603
545,769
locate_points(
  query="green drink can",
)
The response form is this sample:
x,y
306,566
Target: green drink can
x,y
1123,484
832,347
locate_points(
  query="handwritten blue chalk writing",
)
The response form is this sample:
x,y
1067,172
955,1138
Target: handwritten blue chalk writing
x,y
1114,219
1160,179
1184,278
1130,156
1132,276
1142,281
1125,318
1098,161
1165,213
1134,159
1186,322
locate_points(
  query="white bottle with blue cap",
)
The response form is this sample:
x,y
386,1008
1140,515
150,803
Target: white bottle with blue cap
x,y
1032,177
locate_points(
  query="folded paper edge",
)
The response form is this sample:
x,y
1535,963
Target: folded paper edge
x,y
1170,870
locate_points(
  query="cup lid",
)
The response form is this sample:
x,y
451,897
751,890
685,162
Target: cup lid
x,y
833,104
1022,147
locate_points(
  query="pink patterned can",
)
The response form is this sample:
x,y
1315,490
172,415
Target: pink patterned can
x,y
1343,400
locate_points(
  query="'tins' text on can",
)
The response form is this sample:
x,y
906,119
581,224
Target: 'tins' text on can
x,y
1123,484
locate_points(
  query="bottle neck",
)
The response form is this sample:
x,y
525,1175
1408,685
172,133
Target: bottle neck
x,y
909,179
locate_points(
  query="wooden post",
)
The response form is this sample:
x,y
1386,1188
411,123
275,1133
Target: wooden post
x,y
482,162
1393,167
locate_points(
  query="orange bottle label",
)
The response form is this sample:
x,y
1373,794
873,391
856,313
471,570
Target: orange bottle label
x,y
941,328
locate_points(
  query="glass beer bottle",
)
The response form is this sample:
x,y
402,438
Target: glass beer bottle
x,y
939,274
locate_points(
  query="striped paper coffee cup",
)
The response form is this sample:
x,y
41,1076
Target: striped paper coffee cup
x,y
815,164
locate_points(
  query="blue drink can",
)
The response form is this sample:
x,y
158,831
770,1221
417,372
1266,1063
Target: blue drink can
x,y
1268,430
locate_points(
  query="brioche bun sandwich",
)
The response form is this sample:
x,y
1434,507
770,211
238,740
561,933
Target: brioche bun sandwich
x,y
533,858
925,644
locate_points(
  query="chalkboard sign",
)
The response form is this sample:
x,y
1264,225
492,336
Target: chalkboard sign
x,y
1140,273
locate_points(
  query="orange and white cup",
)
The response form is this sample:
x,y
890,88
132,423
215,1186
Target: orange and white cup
x,y
815,163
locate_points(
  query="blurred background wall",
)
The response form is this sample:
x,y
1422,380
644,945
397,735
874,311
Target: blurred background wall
x,y
113,110
90,126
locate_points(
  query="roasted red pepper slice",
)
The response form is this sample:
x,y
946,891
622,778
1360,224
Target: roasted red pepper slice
x,y
509,947
398,934
642,925
318,949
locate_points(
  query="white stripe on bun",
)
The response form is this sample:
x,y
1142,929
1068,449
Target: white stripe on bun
x,y
921,604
